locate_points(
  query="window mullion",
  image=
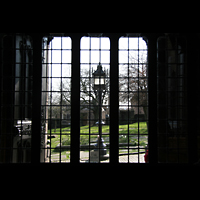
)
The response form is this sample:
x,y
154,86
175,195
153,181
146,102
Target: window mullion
x,y
36,100
75,100
152,98
114,96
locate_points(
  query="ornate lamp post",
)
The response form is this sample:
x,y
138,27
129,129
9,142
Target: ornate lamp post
x,y
99,85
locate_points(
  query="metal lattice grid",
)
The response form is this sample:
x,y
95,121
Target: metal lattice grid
x,y
55,122
133,100
56,100
94,104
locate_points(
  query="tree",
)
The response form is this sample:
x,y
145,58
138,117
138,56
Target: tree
x,y
89,98
60,99
133,85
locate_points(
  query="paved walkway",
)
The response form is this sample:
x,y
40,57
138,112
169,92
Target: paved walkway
x,y
132,159
84,157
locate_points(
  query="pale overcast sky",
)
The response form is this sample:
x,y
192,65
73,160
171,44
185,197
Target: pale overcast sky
x,y
94,56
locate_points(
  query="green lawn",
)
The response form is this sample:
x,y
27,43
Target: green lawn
x,y
63,134
127,133
135,128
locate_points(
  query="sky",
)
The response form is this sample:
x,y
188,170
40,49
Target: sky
x,y
57,56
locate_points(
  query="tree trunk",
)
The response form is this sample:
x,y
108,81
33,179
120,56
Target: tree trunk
x,y
145,108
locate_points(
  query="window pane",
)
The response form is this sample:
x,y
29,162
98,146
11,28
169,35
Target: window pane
x,y
94,109
172,109
133,100
16,98
56,98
